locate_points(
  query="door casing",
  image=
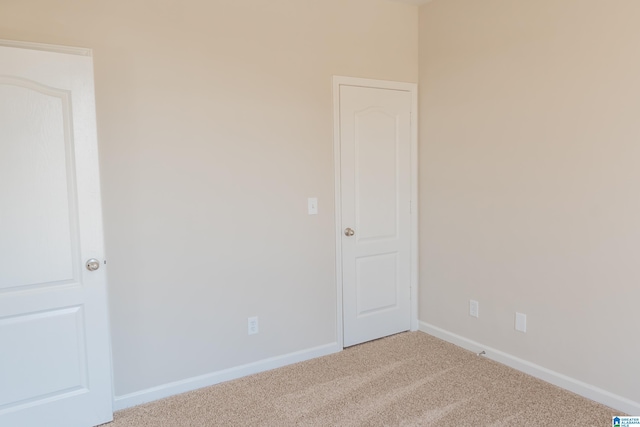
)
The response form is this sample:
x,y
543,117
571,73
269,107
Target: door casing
x,y
378,84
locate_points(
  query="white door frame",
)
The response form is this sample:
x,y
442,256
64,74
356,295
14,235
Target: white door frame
x,y
71,50
379,84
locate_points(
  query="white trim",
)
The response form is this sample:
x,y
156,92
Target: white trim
x,y
81,51
578,387
206,380
414,209
380,84
338,209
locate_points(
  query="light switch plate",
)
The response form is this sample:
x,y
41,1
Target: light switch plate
x,y
312,205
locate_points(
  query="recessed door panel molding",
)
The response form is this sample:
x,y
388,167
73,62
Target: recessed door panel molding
x,y
39,214
376,284
376,222
49,346
55,364
376,142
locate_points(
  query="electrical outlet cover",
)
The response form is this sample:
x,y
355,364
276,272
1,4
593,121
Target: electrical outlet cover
x,y
474,308
252,325
521,322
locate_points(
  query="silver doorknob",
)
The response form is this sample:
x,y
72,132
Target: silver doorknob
x,y
93,264
349,232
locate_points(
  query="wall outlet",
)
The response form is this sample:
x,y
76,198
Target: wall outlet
x,y
474,308
253,325
521,322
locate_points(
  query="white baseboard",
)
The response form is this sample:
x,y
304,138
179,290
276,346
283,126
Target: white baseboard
x,y
578,387
206,380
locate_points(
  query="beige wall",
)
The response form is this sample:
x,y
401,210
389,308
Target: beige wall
x,y
215,125
530,180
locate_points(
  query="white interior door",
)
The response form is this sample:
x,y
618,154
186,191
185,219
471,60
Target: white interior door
x,y
54,348
375,186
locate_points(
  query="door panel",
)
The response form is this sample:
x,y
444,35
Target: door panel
x,y
375,181
53,343
55,358
376,189
34,162
377,284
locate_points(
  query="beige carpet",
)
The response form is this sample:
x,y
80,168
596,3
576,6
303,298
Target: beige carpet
x,y
410,379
